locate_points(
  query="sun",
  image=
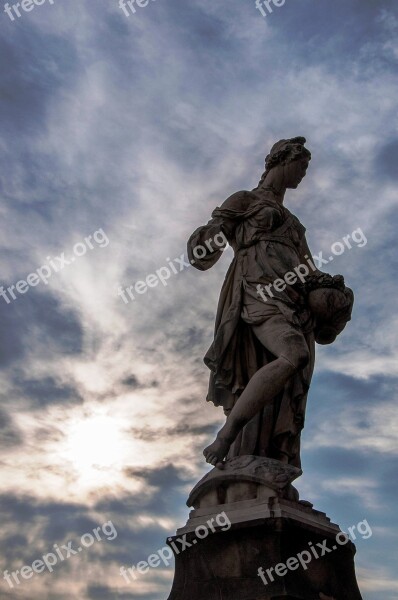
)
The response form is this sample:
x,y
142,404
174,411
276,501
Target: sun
x,y
96,445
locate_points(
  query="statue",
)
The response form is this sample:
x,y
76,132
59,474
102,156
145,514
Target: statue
x,y
274,306
269,314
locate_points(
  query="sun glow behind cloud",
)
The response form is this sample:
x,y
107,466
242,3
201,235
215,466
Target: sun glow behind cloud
x,y
95,446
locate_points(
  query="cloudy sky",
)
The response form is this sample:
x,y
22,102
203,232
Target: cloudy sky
x,y
137,127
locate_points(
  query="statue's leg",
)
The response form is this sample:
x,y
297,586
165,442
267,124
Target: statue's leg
x,y
291,352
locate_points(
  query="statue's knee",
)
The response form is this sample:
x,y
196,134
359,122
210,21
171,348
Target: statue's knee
x,y
298,358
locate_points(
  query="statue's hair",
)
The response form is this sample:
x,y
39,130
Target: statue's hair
x,y
284,152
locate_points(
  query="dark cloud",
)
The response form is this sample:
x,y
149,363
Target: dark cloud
x,y
193,337
336,461
183,429
37,320
338,36
358,485
43,434
10,435
388,473
59,522
348,390
387,160
167,475
132,382
46,391
163,495
29,85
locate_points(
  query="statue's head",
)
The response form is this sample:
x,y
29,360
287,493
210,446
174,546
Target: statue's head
x,y
291,158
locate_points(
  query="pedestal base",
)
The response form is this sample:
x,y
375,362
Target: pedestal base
x,y
269,534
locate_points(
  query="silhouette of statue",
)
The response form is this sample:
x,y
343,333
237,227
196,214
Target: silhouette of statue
x,y
273,306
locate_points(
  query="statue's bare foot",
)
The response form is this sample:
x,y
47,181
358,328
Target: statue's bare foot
x,y
216,452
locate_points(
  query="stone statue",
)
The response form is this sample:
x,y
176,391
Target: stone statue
x,y
273,306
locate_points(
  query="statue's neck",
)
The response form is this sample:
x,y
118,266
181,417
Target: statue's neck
x,y
274,182
278,195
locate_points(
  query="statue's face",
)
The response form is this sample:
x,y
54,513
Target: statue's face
x,y
294,172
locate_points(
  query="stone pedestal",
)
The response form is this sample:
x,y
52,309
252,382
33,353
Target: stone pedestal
x,y
227,544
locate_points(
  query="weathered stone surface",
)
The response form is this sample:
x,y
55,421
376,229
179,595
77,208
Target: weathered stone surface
x,y
243,478
261,363
273,305
224,565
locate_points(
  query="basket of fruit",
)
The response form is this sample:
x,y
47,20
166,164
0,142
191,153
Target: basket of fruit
x,y
330,302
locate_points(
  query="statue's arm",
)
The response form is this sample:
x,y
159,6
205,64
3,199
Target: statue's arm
x,y
207,243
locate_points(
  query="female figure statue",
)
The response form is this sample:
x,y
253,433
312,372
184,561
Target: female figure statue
x,y
262,356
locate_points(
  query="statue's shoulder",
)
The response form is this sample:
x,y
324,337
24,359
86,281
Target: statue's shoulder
x,y
239,201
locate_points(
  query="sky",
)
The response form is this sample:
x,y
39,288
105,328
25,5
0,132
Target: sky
x,y
119,135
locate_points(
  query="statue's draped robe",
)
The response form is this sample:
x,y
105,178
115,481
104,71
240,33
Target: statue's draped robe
x,y
267,242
